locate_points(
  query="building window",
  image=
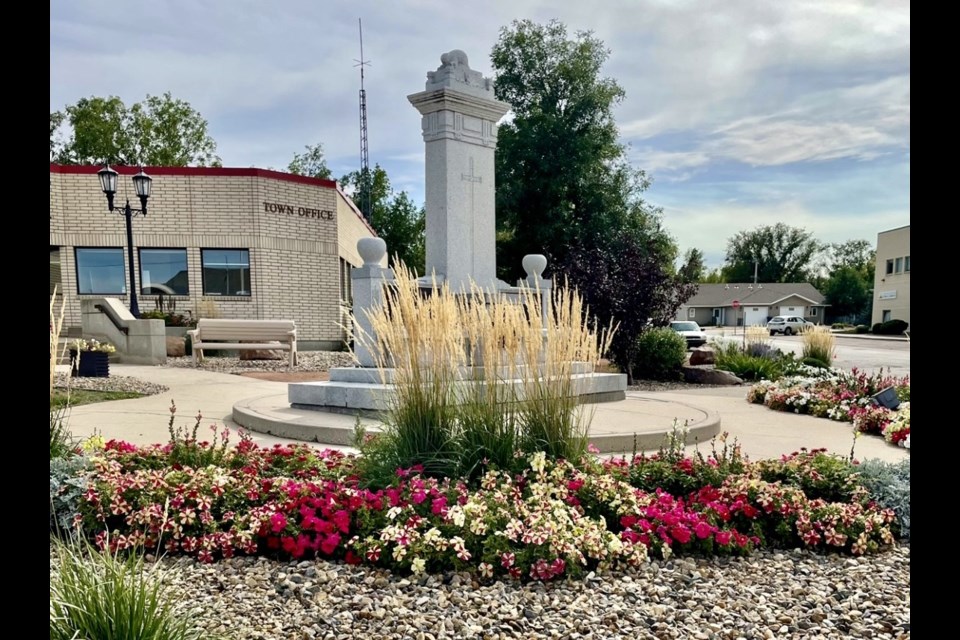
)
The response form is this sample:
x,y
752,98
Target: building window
x,y
906,264
346,284
898,268
164,271
100,271
886,315
889,266
226,272
692,313
55,284
813,312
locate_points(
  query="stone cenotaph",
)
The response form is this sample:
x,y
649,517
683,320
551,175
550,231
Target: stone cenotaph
x,y
459,125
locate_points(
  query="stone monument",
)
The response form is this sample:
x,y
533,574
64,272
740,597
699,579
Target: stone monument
x,y
459,125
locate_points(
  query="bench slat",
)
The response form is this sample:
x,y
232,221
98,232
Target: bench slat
x,y
278,346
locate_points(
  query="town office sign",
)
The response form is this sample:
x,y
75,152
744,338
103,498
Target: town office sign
x,y
303,212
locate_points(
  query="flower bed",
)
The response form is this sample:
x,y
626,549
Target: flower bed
x,y
549,520
843,396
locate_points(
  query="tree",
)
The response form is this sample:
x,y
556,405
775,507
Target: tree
x,y
856,254
565,187
848,285
562,174
781,254
847,293
394,216
624,278
310,163
160,131
693,268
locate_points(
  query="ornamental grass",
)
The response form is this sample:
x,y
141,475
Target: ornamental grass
x,y
479,376
819,344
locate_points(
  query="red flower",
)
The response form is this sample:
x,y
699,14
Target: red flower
x,y
329,544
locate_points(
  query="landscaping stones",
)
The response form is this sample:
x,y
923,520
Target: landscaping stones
x,y
703,355
306,361
112,383
769,594
706,374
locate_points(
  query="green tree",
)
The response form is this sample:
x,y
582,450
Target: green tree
x,y
562,174
159,131
847,293
566,189
310,163
693,268
781,254
393,215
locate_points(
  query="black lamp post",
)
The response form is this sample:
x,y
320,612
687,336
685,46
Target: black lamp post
x,y
141,184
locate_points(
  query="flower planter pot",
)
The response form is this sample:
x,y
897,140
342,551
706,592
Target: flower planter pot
x,y
90,364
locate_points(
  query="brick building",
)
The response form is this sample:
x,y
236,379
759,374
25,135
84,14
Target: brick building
x,y
230,242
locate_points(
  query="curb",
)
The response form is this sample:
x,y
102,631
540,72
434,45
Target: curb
x,y
272,414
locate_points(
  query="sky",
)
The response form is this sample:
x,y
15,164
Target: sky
x,y
744,112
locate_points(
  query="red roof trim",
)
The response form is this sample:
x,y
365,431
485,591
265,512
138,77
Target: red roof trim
x,y
252,172
356,210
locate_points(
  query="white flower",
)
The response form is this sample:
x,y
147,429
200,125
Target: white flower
x,y
538,461
393,513
419,565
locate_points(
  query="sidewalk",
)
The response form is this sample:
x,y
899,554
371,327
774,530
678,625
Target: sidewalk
x,y
762,433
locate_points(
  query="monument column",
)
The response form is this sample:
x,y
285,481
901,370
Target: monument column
x,y
459,126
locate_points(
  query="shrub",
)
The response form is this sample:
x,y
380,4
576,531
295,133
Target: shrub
x,y
103,595
660,354
889,484
862,328
876,328
748,367
891,327
811,361
67,484
819,343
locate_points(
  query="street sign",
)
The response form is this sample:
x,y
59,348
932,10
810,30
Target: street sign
x,y
736,304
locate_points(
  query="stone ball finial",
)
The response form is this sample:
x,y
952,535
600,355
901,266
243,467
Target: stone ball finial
x,y
371,250
534,264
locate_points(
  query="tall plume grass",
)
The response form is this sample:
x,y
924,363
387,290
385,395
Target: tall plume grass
x,y
819,343
478,376
61,441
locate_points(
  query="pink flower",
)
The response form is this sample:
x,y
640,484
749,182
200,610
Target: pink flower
x,y
278,522
507,560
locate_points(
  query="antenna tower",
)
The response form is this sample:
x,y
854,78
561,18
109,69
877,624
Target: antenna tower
x,y
365,182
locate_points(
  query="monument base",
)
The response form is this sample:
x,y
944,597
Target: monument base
x,y
366,391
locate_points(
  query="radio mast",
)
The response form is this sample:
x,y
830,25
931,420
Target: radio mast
x,y
365,178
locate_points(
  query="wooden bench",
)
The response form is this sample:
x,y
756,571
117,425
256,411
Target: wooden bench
x,y
278,335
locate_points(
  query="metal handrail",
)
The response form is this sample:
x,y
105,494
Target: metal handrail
x,y
113,318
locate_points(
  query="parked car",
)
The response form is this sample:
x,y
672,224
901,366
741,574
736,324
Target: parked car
x,y
787,325
690,330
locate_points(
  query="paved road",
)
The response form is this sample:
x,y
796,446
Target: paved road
x,y
868,354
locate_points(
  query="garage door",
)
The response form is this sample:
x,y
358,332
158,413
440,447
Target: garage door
x,y
795,310
755,315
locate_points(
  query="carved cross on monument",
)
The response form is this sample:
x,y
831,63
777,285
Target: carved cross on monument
x,y
469,177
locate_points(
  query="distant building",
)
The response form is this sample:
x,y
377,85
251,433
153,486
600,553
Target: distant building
x,y
742,303
891,286
231,242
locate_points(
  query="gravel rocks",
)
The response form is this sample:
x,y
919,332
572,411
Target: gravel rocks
x,y
660,385
306,361
110,383
786,594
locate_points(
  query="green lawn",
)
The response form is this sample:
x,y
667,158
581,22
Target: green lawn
x,y
82,396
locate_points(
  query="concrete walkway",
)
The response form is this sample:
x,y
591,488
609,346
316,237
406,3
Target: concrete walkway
x,y
761,432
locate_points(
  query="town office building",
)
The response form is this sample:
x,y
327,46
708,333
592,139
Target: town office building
x,y
217,242
891,286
